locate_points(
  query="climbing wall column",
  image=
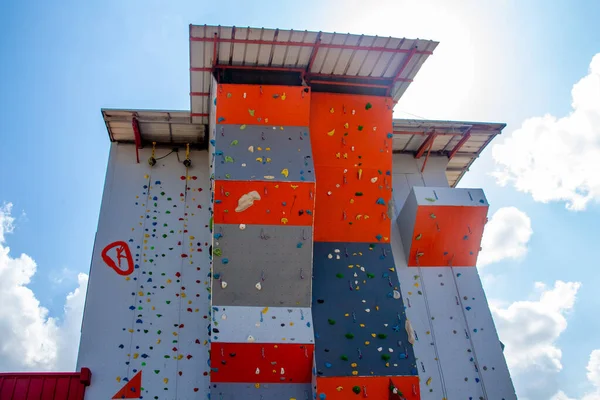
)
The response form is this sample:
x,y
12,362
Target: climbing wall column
x,y
363,340
261,333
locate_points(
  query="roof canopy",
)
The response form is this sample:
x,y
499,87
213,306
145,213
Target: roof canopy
x,y
326,61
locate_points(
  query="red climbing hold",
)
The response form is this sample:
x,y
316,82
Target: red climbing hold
x,y
132,389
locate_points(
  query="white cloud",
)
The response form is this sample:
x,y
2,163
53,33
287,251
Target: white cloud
x,y
557,159
529,330
29,338
506,236
593,376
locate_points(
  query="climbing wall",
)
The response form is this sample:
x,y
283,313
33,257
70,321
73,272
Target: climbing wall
x,y
145,327
363,341
262,339
435,245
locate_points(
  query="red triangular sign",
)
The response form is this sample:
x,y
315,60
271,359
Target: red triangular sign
x,y
132,389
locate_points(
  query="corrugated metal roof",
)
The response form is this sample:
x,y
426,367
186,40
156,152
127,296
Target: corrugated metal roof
x,y
44,385
354,60
165,127
462,142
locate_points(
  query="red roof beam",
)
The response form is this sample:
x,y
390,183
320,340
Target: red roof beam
x,y
199,115
313,53
199,94
138,137
304,44
259,67
426,144
383,80
425,133
369,85
215,40
459,145
404,64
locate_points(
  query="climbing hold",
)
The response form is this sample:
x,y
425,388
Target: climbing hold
x,y
258,286
339,275
331,132
385,357
285,172
410,332
257,371
250,339
368,106
223,284
396,294
217,252
356,389
228,159
327,365
283,96
247,200
331,321
373,180
349,335
225,261
242,127
382,336
344,357
251,149
380,201
428,382
419,236
331,110
234,143
360,127
251,112
284,221
430,199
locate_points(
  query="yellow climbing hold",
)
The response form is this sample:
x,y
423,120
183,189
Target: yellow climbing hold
x,y
285,172
267,149
166,380
284,220
391,269
268,159
354,365
331,110
359,173
283,96
257,385
354,373
146,176
339,388
135,356
294,187
346,125
331,132
242,127
351,201
362,325
119,379
338,155
259,148
428,382
264,310
367,343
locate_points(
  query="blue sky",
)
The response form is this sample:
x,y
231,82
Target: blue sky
x,y
507,62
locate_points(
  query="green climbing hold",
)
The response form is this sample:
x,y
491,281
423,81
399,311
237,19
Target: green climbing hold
x,y
217,252
358,194
344,357
382,336
356,389
360,127
156,371
419,236
227,176
385,357
430,199
331,321
370,275
251,112
368,106
432,216
349,335
228,159
339,275
234,142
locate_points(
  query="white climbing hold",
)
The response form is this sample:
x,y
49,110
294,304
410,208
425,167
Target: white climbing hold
x,y
257,324
336,251
330,256
242,226
247,200
243,164
373,180
410,332
337,256
395,390
257,371
362,269
282,371
250,339
329,193
251,149
244,94
223,316
379,348
223,284
367,309
353,112
396,294
258,286
390,350
355,274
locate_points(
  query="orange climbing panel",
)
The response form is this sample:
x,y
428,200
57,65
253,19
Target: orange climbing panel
x,y
263,105
261,362
264,203
351,138
375,387
447,236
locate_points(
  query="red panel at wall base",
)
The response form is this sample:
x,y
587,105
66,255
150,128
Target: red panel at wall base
x,y
264,203
351,138
447,236
374,387
261,362
263,105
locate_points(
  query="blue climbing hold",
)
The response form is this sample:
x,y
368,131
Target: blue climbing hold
x,y
380,201
219,152
327,365
468,308
389,135
379,237
402,356
213,142
322,396
221,119
299,245
218,235
225,261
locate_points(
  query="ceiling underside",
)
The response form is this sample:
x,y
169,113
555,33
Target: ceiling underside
x,y
330,61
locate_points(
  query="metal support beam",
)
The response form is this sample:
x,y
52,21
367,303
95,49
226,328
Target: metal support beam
x,y
215,45
428,153
314,52
426,144
405,64
459,145
138,137
305,44
369,85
